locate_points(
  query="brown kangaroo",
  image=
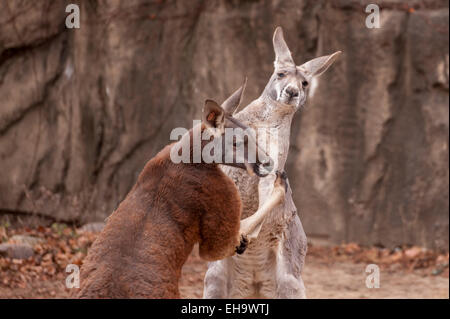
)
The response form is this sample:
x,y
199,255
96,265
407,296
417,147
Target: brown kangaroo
x,y
146,241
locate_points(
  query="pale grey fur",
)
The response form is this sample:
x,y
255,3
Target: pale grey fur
x,y
272,264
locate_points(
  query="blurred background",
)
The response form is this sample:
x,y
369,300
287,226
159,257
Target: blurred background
x,y
82,110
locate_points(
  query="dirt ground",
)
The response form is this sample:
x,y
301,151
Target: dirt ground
x,y
322,280
338,280
329,272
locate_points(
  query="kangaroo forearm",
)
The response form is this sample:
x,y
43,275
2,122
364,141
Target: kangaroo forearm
x,y
253,222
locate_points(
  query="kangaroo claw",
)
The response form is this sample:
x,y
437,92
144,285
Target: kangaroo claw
x,y
281,179
243,245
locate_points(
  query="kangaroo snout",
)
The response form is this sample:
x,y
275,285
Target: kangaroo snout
x,y
263,168
291,91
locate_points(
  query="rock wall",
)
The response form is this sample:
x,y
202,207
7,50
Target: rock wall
x,y
82,110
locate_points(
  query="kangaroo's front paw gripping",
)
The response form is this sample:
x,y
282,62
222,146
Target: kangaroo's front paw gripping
x,y
281,179
243,245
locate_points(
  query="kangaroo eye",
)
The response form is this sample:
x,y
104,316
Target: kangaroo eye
x,y
281,75
305,83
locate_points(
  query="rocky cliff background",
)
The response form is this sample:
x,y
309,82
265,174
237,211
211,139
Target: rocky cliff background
x,y
82,110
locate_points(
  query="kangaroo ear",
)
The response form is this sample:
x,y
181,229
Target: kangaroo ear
x,y
232,103
282,53
317,66
213,115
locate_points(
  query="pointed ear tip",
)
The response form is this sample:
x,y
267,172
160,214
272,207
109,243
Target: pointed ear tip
x,y
332,57
278,33
210,102
244,84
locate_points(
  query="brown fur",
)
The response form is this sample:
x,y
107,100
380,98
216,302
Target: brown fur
x,y
148,238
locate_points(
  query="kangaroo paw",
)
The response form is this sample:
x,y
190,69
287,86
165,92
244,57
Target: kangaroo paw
x,y
281,180
243,245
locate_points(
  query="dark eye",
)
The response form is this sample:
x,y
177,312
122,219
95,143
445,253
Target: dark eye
x,y
281,75
305,83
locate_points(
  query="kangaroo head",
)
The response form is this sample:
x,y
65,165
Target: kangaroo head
x,y
238,143
289,84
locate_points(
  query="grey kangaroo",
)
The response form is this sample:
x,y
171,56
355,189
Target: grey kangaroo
x,y
272,264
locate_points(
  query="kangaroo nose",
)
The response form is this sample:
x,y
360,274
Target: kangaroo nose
x,y
293,92
263,168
